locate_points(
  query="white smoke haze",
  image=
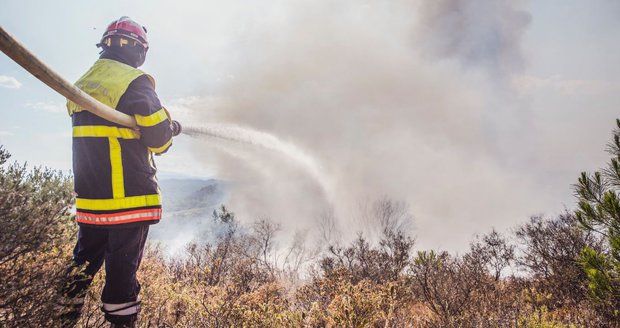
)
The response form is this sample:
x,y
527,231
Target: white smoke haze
x,y
415,101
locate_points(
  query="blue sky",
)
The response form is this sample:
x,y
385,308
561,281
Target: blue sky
x,y
35,127
566,93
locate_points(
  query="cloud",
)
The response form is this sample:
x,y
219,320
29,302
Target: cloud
x,y
6,133
9,82
47,106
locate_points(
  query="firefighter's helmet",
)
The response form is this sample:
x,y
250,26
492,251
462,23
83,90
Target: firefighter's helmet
x,y
126,31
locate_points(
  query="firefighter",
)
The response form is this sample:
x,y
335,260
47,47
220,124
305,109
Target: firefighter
x,y
117,196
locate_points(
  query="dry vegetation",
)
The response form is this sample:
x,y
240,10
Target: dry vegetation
x,y
533,277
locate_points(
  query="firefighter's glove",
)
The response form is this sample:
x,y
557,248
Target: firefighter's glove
x,y
176,127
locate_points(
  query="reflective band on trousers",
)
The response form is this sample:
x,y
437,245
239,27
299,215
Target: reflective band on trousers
x,y
117,204
148,214
128,308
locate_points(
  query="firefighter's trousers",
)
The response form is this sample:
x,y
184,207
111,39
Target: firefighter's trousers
x,y
121,250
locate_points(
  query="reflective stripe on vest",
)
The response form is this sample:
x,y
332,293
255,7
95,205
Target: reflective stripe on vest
x,y
161,149
153,119
116,166
118,204
116,158
102,131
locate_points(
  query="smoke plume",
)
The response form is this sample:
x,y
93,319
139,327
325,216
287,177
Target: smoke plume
x,y
483,33
409,100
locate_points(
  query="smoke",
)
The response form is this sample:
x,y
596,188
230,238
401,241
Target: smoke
x,y
408,100
483,33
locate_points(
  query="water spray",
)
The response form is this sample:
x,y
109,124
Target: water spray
x,y
268,141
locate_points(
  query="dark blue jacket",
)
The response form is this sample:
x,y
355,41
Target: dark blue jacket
x,y
113,166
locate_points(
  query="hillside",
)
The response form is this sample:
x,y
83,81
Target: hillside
x,y
188,209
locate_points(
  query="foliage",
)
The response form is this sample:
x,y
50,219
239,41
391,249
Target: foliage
x,y
599,211
240,277
34,243
550,251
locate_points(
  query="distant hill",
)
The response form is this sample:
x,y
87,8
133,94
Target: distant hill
x,y
188,206
181,194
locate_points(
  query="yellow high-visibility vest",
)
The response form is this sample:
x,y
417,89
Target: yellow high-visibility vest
x,y
107,80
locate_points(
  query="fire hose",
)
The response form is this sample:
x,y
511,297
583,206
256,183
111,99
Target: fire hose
x,y
26,59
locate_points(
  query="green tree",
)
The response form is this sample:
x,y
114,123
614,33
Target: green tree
x,y
599,211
